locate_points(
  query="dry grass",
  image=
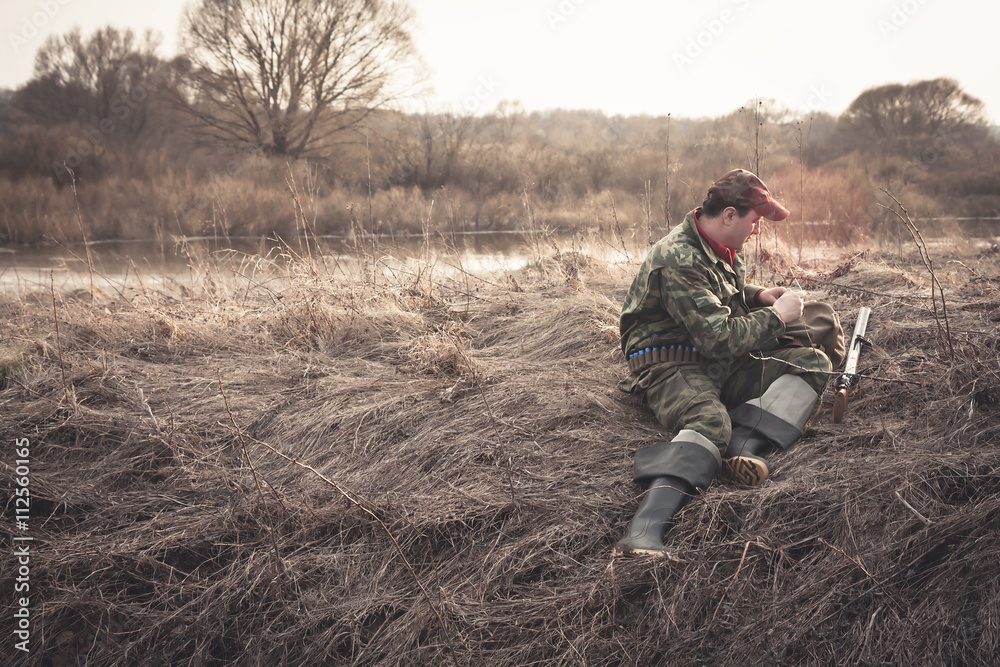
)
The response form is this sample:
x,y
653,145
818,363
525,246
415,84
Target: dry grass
x,y
284,464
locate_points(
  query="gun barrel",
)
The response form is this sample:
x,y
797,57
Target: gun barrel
x,y
850,368
860,327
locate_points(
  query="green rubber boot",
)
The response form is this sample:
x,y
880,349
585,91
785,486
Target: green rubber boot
x,y
665,496
774,421
671,472
742,460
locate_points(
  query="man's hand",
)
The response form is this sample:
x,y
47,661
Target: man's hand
x,y
767,297
788,305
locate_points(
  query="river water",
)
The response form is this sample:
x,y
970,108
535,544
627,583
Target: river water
x,y
73,266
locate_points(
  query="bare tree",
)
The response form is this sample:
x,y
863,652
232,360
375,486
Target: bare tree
x,y
436,149
286,75
105,78
897,115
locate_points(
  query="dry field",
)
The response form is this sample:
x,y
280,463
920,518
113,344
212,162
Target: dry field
x,y
287,463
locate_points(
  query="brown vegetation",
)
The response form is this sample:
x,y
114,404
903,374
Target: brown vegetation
x,y
201,145
398,465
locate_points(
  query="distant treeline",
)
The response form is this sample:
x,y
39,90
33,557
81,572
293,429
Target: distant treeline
x,y
109,140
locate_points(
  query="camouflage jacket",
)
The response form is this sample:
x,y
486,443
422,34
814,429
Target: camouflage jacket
x,y
684,294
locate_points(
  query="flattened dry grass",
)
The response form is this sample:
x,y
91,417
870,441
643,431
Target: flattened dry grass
x,y
402,467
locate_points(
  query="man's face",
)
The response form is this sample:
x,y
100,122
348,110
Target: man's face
x,y
742,229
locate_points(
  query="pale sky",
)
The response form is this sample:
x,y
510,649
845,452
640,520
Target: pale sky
x,y
691,59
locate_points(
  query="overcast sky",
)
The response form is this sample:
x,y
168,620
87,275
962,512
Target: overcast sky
x,y
698,58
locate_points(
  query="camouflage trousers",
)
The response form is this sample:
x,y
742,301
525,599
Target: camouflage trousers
x,y
699,396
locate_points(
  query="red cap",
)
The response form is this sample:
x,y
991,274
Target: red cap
x,y
740,187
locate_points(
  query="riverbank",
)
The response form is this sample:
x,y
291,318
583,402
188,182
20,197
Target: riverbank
x,y
291,463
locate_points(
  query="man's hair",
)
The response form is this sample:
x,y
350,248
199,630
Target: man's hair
x,y
713,206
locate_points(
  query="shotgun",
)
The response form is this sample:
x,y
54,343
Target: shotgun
x,y
849,377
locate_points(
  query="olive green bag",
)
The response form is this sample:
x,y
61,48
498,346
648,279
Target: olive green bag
x,y
818,327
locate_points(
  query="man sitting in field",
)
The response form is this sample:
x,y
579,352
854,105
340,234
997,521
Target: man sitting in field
x,y
736,370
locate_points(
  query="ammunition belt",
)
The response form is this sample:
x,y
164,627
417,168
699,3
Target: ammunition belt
x,y
650,356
